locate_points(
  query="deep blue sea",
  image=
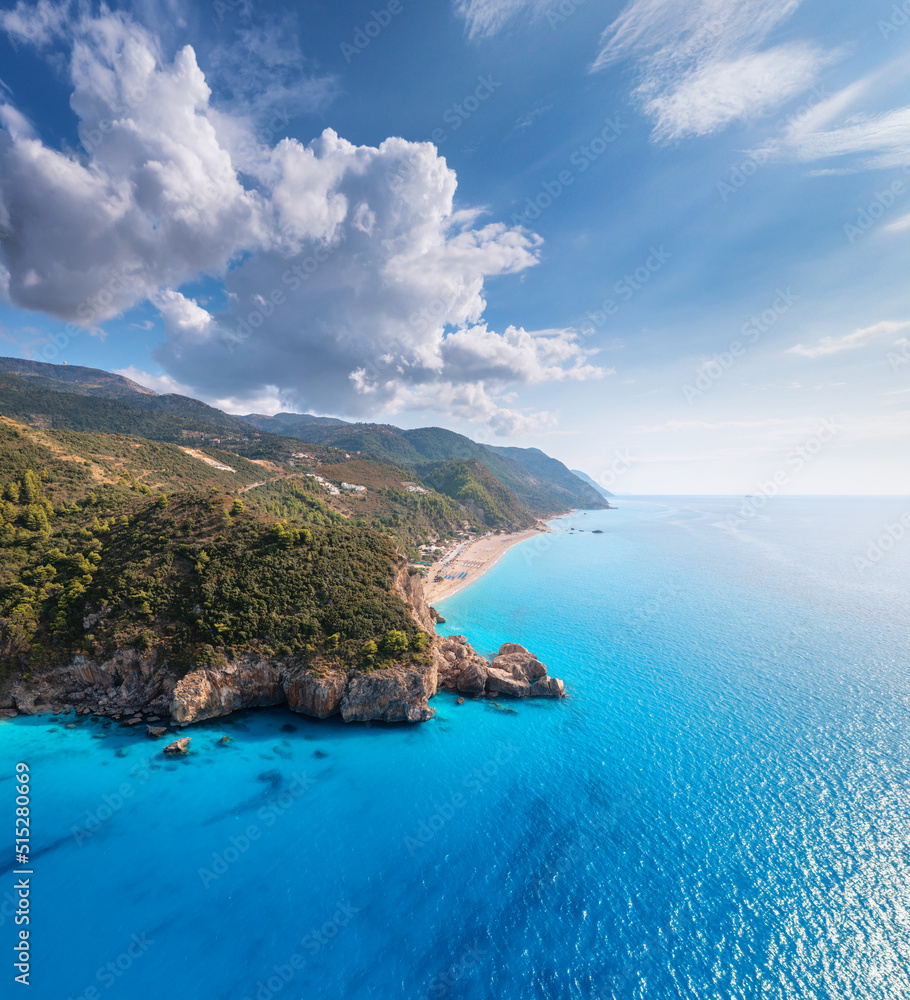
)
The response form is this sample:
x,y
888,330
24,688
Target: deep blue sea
x,y
719,809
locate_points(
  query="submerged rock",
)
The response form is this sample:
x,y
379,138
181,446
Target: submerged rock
x,y
155,732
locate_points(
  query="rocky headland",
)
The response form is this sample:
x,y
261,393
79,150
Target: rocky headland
x,y
132,683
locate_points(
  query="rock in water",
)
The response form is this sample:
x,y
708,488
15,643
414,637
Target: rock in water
x,y
500,682
514,672
510,647
548,687
179,746
521,665
156,732
472,678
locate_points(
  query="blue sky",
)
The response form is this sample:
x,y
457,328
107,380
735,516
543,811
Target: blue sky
x,y
665,241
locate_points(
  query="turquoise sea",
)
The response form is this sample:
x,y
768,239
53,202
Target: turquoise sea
x,y
718,810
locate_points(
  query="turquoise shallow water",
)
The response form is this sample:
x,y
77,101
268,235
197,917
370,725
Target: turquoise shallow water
x,y
718,810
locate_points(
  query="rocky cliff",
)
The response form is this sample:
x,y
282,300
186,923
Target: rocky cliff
x,y
134,682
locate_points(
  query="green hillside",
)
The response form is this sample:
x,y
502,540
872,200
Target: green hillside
x,y
541,483
94,558
472,485
75,378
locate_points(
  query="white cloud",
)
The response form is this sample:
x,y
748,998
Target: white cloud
x,y
371,299
883,140
154,203
899,225
840,127
701,64
486,17
268,401
849,341
354,285
717,93
160,383
36,24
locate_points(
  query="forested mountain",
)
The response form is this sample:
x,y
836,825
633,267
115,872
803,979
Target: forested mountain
x,y
472,485
75,378
54,396
542,484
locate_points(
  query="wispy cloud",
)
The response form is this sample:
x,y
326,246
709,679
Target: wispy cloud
x,y
525,122
850,341
701,63
899,225
486,17
882,140
844,128
718,93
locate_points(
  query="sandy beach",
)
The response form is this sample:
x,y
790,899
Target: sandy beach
x,y
471,558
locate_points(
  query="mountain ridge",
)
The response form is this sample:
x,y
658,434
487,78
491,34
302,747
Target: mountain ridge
x,y
49,394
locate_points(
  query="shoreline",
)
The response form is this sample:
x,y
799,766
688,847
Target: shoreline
x,y
474,558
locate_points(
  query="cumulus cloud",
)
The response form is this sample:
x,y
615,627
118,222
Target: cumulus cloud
x,y
701,63
268,402
156,200
353,284
372,298
850,341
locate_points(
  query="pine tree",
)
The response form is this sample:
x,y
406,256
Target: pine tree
x,y
31,487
